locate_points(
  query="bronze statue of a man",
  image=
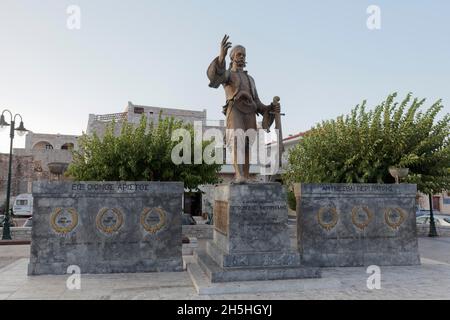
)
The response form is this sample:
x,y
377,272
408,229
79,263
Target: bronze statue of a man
x,y
242,104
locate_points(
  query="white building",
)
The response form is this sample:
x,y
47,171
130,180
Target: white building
x,y
288,143
440,202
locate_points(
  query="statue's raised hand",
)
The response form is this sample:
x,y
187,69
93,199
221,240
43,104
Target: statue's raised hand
x,y
224,47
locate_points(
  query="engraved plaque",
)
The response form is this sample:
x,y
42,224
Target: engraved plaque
x,y
221,216
153,219
109,220
64,220
394,217
327,218
361,217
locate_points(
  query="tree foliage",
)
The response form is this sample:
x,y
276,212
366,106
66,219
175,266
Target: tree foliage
x,y
141,153
360,147
292,202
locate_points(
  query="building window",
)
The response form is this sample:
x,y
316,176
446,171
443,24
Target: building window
x,y
138,110
43,145
67,146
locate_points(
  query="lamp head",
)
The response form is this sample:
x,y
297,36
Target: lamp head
x,y
21,129
3,122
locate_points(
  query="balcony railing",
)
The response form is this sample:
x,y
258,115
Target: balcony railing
x,y
215,123
111,116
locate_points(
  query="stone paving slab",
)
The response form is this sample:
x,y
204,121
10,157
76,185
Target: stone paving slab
x,y
430,280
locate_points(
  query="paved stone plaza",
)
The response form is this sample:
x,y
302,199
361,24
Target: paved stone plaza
x,y
431,280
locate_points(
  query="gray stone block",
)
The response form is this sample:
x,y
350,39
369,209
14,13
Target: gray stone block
x,y
356,224
253,217
106,227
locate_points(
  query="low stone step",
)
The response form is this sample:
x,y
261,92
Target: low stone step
x,y
254,259
217,274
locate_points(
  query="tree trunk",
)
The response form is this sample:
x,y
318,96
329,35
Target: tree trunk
x,y
433,232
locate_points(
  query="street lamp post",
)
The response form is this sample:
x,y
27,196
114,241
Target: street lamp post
x,y
20,131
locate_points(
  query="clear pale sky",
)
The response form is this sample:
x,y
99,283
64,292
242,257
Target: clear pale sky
x,y
318,56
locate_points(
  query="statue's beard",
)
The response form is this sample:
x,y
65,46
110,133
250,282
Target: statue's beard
x,y
240,63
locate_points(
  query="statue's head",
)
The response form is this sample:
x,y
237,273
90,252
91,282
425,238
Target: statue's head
x,y
237,56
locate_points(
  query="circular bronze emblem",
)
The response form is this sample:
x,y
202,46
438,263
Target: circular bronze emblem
x,y
361,218
327,218
153,219
109,220
64,220
394,217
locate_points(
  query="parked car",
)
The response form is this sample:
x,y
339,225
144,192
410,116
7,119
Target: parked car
x,y
439,220
2,221
28,222
423,212
23,205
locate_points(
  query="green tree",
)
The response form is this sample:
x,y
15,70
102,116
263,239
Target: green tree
x,y
292,202
360,147
141,153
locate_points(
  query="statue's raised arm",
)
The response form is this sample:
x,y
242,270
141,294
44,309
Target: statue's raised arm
x,y
217,69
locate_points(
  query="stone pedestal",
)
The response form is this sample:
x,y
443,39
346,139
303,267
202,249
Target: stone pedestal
x,y
106,227
251,237
350,225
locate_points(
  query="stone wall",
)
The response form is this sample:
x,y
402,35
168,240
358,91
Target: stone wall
x,y
28,167
357,224
40,159
44,157
106,227
31,163
19,233
21,175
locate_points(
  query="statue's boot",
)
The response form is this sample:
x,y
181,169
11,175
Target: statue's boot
x,y
246,171
239,176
